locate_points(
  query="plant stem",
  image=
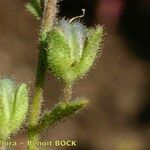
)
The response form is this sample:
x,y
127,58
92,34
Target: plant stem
x,y
38,94
32,142
49,16
48,19
37,99
67,93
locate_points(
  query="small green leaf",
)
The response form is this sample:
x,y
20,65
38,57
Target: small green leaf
x,y
13,107
34,7
62,110
7,89
92,45
20,108
58,53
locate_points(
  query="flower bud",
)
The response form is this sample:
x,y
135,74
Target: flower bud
x,y
72,49
13,107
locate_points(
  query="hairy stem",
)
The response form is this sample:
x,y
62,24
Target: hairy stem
x,y
38,94
67,93
37,100
32,142
49,15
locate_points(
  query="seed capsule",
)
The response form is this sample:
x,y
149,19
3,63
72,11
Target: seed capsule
x,y
72,49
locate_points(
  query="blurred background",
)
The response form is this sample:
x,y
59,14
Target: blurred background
x,y
118,86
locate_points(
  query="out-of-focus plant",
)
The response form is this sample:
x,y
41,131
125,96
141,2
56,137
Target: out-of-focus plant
x,y
13,107
67,49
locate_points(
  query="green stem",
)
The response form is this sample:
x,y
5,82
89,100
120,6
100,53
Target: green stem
x,y
32,141
37,98
38,94
48,19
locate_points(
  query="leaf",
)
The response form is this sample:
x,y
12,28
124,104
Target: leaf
x,y
92,46
7,88
13,107
34,7
58,53
20,108
61,111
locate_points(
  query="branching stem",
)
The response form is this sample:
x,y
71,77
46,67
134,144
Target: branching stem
x,y
48,19
37,98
